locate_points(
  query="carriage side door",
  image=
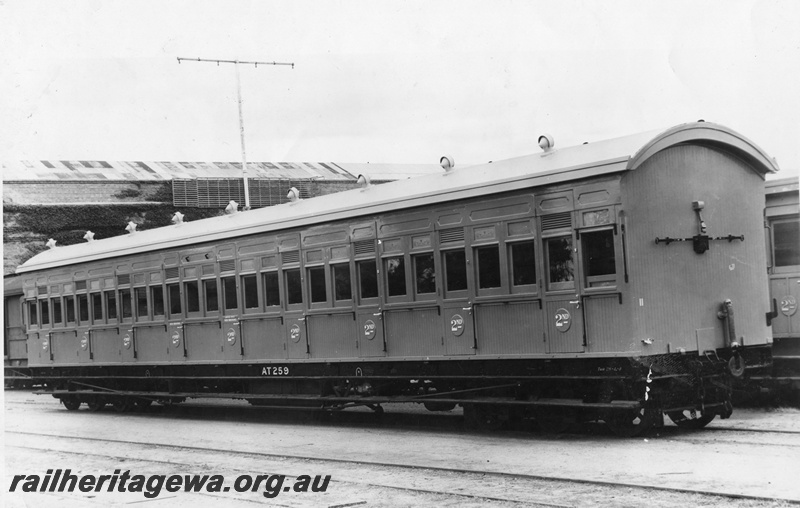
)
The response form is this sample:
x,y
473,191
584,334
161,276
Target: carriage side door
x,y
562,293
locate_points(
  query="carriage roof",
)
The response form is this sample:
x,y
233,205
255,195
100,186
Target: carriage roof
x,y
546,168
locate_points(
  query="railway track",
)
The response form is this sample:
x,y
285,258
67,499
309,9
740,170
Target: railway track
x,y
382,475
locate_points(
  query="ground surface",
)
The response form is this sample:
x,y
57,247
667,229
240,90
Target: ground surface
x,y
407,458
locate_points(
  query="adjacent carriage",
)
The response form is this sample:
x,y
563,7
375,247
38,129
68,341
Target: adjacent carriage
x,y
618,280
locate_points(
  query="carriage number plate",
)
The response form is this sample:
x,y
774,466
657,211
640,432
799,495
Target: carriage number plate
x,y
275,371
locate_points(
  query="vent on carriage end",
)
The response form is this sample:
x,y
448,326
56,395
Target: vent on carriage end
x,y
701,242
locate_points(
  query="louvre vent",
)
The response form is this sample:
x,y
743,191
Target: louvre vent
x,y
364,247
228,265
451,235
41,290
291,257
171,273
123,279
557,221
80,285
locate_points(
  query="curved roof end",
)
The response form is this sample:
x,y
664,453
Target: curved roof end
x,y
705,133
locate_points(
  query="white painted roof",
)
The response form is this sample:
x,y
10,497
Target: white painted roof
x,y
560,165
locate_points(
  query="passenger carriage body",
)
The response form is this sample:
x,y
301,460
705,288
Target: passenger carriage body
x,y
598,281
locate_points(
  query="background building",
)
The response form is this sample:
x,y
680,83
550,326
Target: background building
x,y
63,200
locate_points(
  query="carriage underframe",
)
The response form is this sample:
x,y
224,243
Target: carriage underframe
x,y
630,394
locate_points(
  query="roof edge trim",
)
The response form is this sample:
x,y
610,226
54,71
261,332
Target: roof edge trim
x,y
710,134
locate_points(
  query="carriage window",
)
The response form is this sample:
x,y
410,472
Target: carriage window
x,y
294,287
425,273
250,291
192,291
141,302
272,292
523,264
69,307
45,312
126,303
599,262
488,267
368,279
212,298
174,295
341,282
455,270
316,282
56,304
787,243
396,275
157,299
97,307
33,313
111,304
83,308
229,293
560,264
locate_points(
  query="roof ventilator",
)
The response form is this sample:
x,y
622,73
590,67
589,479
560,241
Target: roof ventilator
x,y
293,195
131,227
364,181
232,208
447,163
177,219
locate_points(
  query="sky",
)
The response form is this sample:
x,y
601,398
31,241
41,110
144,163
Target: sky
x,y
389,81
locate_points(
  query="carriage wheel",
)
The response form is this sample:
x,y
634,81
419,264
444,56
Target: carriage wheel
x,y
485,417
122,404
690,419
143,404
631,423
95,405
71,403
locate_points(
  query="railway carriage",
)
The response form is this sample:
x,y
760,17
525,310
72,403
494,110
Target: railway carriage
x,y
618,281
783,256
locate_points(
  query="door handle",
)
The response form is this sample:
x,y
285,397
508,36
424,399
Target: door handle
x,y
577,303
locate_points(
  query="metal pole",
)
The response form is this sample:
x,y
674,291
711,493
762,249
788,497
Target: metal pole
x,y
241,135
241,116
